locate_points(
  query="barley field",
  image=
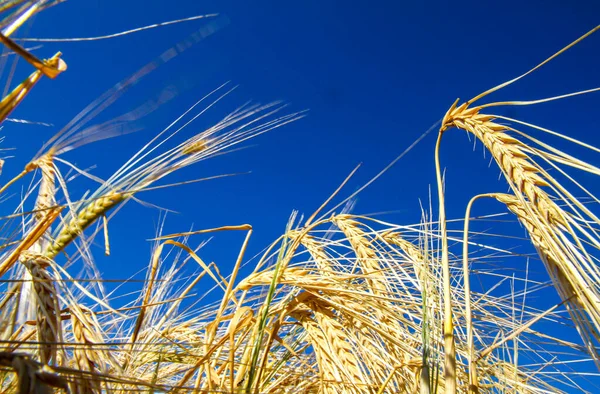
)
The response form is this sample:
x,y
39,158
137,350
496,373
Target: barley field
x,y
498,295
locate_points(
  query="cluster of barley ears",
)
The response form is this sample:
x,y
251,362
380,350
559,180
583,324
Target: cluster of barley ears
x,y
339,303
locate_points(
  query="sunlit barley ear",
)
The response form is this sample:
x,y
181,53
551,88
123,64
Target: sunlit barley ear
x,y
49,327
319,341
46,197
316,250
563,228
551,215
339,346
45,200
195,147
148,166
89,351
365,255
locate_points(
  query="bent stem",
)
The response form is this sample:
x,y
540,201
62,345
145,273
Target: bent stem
x,y
449,346
473,379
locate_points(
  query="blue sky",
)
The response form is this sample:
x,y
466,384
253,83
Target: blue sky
x,y
374,76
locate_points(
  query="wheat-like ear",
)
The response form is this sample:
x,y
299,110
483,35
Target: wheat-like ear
x,y
85,217
338,365
366,257
46,197
49,327
316,250
336,336
550,226
523,175
573,283
44,203
88,351
140,171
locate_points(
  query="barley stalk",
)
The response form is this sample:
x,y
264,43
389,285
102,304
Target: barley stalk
x,y
449,339
50,68
473,377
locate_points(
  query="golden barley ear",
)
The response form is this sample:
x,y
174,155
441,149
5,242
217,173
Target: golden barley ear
x,y
49,325
89,352
559,225
555,229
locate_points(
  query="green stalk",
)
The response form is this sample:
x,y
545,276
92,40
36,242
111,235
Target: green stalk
x,y
265,310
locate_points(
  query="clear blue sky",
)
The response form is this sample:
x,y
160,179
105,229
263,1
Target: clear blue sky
x,y
374,75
